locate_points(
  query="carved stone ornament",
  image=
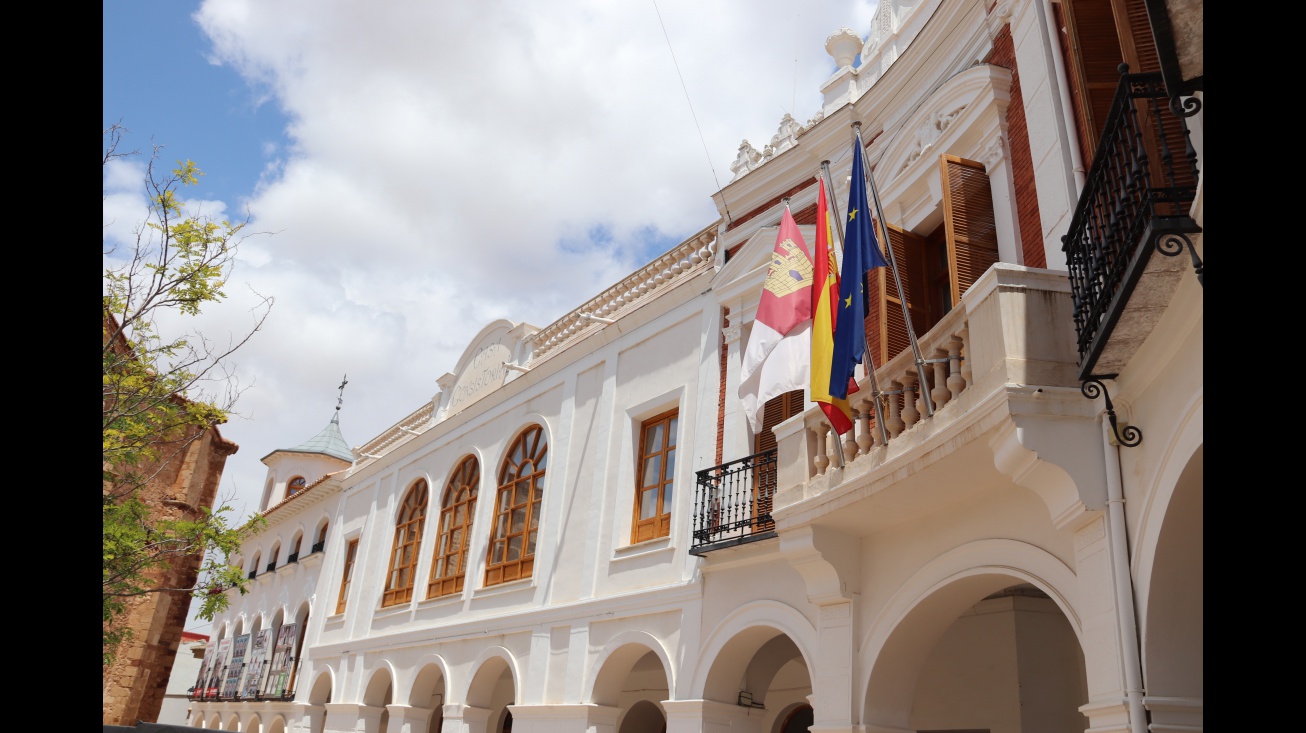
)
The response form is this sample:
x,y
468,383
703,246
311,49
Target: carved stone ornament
x,y
747,160
843,45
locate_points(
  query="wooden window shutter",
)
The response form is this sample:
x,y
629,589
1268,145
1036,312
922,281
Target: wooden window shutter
x,y
968,220
1093,55
1141,55
775,411
886,331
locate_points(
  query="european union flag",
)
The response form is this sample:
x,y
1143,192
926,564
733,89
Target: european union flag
x,y
861,254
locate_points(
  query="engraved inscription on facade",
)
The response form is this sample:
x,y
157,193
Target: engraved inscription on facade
x,y
484,373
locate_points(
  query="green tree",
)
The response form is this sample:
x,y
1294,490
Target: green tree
x,y
165,386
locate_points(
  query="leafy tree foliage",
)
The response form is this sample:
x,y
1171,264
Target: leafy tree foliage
x,y
165,386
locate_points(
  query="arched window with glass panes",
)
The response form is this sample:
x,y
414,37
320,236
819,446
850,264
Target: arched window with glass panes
x,y
457,508
517,508
408,539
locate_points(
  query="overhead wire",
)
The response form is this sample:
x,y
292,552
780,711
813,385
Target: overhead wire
x,y
690,102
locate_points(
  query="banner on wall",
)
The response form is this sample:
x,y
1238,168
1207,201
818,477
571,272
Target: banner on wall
x,y
254,664
231,685
215,671
283,662
202,680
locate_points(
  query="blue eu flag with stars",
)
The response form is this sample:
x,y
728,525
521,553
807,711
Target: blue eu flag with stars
x,y
861,254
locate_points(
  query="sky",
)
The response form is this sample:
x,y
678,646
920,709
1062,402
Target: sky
x,y
410,171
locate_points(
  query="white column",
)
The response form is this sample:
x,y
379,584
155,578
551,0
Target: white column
x,y
465,719
346,717
1107,709
408,719
572,718
832,677
306,718
709,716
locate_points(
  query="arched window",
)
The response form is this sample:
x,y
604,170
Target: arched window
x,y
274,557
295,486
321,538
408,538
253,568
517,509
294,547
456,511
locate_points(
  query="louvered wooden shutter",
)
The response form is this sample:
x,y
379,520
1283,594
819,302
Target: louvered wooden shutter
x,y
968,220
775,411
886,331
1092,51
1141,55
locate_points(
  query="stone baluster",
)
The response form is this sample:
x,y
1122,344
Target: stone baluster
x,y
910,411
940,394
896,424
956,383
965,352
822,458
864,437
850,443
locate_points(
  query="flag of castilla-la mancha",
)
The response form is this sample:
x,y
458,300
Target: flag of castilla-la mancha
x,y
779,347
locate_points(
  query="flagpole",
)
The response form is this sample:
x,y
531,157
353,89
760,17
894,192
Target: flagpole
x,y
893,266
868,363
838,449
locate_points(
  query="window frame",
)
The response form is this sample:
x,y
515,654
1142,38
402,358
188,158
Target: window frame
x,y
531,446
401,571
461,491
351,554
643,529
293,488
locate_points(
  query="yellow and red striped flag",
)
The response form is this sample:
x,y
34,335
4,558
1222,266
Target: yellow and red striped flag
x,y
824,315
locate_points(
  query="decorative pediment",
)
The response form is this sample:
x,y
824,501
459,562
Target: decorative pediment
x,y
481,369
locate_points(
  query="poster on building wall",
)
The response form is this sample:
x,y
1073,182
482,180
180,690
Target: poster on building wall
x,y
215,671
231,685
202,680
254,664
283,662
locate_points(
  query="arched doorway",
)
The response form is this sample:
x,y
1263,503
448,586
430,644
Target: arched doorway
x,y
987,651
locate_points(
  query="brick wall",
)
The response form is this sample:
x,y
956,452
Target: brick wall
x,y
135,685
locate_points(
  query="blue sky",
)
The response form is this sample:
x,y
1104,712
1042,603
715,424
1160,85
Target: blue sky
x,y
413,170
160,84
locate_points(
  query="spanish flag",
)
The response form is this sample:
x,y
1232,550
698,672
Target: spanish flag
x,y
824,315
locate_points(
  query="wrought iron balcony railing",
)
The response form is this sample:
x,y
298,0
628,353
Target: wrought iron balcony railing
x,y
253,573
318,546
272,566
294,557
732,503
1136,200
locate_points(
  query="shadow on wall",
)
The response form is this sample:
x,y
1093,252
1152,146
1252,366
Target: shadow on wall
x,y
143,727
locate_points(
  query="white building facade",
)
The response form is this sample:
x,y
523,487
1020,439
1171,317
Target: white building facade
x,y
579,533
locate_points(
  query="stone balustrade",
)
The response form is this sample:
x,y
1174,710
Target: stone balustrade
x,y
972,343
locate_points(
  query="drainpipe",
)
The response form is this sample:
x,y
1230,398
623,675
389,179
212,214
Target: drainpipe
x,y
1118,547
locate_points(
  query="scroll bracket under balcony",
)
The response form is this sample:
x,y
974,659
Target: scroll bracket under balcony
x,y
1172,244
1091,388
